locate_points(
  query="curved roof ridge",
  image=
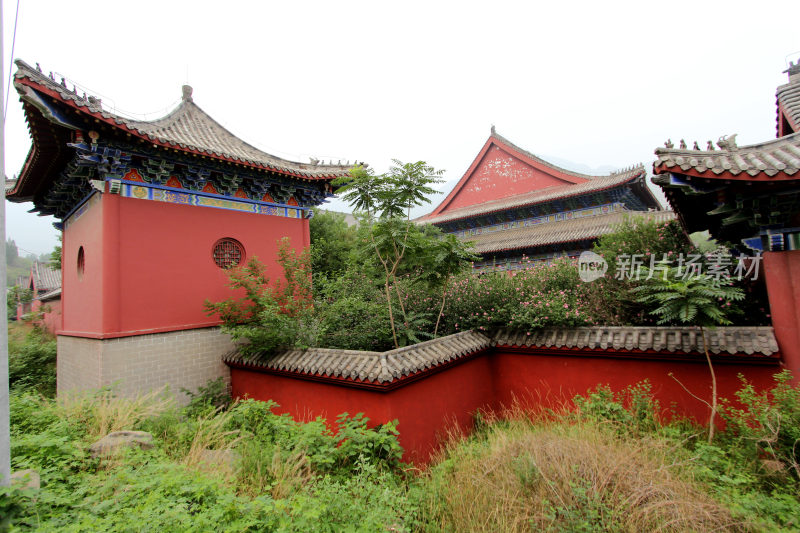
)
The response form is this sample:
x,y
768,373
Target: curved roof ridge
x,y
569,177
757,146
545,162
777,158
543,195
187,126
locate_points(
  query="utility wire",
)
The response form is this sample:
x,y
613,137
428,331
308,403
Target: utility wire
x,y
11,62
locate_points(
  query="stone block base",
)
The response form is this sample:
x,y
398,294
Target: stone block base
x,y
143,363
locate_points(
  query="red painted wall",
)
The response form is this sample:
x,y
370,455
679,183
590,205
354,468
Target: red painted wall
x,y
82,299
149,265
782,274
537,380
305,400
500,175
428,407
425,409
52,318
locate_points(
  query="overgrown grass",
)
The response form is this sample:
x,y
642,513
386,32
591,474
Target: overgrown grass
x,y
31,358
522,475
606,462
237,469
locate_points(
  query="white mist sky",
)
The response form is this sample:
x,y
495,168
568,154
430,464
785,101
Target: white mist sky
x,y
597,84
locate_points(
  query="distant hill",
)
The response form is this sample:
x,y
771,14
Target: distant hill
x,y
18,266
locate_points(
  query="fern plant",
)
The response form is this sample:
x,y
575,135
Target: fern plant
x,y
700,300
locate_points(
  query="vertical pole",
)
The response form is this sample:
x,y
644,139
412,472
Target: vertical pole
x,y
5,429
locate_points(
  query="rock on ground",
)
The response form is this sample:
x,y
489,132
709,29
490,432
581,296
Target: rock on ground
x,y
28,479
118,440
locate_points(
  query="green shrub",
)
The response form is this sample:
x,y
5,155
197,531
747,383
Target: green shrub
x,y
353,313
333,244
32,363
632,410
766,425
272,314
375,500
334,452
213,396
290,476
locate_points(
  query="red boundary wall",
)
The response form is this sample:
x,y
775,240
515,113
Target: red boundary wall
x,y
431,403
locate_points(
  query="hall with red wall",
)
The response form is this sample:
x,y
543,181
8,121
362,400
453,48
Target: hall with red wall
x,y
148,266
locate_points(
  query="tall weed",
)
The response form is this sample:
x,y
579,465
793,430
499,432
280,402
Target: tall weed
x,y
101,412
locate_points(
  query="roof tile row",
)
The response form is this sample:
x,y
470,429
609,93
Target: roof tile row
x,y
45,277
724,340
788,98
187,127
369,366
395,364
576,229
770,158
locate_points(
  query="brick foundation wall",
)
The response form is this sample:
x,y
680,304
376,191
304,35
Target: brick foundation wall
x,y
139,364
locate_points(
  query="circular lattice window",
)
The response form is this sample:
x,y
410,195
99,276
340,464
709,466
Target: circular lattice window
x,y
228,253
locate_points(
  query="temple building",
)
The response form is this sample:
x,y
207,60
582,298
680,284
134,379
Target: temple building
x,y
44,282
516,206
152,214
749,196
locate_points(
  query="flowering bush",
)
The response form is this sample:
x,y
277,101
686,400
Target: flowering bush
x,y
655,241
548,294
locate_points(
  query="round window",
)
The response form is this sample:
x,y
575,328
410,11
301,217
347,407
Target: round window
x,y
228,253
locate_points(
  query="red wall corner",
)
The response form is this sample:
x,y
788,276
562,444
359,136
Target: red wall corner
x,y
782,274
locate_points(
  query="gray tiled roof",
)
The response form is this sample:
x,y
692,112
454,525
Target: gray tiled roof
x,y
369,366
46,278
536,197
721,341
187,127
788,97
768,158
576,229
50,295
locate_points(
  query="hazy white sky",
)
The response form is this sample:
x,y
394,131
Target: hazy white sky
x,y
597,83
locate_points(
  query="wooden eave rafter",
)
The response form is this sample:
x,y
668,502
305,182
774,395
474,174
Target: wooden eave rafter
x,y
47,152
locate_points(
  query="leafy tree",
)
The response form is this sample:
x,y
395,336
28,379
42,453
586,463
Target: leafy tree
x,y
391,196
692,299
361,189
332,243
446,257
12,252
55,258
17,295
